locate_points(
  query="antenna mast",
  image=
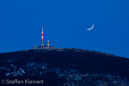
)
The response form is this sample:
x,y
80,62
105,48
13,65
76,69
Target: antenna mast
x,y
42,37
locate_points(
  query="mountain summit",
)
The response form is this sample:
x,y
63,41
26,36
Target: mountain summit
x,y
65,67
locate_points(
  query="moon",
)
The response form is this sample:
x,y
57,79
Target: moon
x,y
91,27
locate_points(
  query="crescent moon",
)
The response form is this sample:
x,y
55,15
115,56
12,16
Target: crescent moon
x,y
91,27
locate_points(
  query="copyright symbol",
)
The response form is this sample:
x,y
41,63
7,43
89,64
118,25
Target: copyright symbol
x,y
3,81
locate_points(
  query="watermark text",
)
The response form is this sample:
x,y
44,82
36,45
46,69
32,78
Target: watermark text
x,y
17,81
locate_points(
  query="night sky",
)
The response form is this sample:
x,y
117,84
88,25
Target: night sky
x,y
65,23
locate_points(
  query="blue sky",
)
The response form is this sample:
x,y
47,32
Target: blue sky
x,y
65,23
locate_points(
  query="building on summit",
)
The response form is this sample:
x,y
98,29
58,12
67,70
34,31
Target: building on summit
x,y
42,45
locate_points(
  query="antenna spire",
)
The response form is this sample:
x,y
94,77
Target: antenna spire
x,y
42,37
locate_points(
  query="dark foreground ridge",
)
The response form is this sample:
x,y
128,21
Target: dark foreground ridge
x,y
64,67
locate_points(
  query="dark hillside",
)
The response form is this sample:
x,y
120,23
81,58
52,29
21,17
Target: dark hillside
x,y
65,66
